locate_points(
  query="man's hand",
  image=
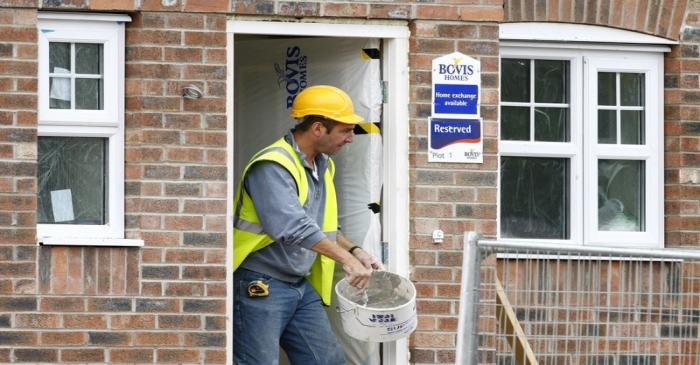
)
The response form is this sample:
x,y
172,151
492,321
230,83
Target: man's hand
x,y
370,261
357,274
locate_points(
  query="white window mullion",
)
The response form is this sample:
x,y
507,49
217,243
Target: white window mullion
x,y
532,100
618,114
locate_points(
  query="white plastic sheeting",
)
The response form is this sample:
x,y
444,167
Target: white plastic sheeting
x,y
269,72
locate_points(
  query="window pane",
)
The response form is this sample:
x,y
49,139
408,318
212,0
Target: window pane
x,y
607,126
606,88
535,197
515,80
632,89
620,195
59,93
632,127
515,123
59,57
88,94
88,58
551,81
552,124
72,180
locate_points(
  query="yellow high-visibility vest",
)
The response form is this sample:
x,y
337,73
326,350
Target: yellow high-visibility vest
x,y
248,234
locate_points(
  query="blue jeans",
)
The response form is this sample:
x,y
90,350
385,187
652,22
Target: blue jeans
x,y
292,317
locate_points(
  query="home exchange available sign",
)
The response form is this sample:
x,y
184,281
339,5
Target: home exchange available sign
x,y
456,86
455,140
455,126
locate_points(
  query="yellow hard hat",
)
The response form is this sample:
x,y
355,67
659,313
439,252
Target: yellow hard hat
x,y
326,101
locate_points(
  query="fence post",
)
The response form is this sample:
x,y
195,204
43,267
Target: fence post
x,y
468,325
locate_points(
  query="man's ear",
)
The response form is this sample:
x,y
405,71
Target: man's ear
x,y
318,129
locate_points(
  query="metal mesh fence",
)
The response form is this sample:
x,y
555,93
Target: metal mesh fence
x,y
584,305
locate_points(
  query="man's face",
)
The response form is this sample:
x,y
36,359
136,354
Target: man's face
x,y
331,142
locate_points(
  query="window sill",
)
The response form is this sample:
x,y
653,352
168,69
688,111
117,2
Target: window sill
x,y
111,242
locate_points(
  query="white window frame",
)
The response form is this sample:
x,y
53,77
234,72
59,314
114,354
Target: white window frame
x,y
107,29
583,150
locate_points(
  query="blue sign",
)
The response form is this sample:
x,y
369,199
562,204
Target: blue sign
x,y
455,140
456,99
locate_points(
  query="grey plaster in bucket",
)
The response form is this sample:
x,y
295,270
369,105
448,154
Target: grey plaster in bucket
x,y
385,290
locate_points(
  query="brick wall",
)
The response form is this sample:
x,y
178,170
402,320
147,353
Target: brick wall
x,y
18,106
683,135
164,303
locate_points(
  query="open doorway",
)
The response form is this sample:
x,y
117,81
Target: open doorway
x,y
272,61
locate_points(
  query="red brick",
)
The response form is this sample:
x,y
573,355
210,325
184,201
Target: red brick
x,y
185,21
159,5
151,289
18,34
179,322
390,11
431,339
36,355
448,290
216,290
152,71
207,6
298,9
184,256
217,56
183,55
89,321
431,274
437,12
157,338
169,356
35,320
121,5
448,324
215,357
206,39
215,224
63,338
83,355
216,256
426,323
344,10
204,272
433,307
185,154
18,101
184,289
63,304
161,238
133,322
131,356
153,37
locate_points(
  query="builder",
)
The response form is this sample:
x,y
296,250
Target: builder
x,y
286,215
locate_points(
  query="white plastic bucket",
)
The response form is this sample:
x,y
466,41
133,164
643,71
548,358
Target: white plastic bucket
x,y
386,311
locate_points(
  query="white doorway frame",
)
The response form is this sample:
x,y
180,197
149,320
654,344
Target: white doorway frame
x,y
395,135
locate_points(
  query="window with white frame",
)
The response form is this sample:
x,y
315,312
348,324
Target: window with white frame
x,y
81,129
580,149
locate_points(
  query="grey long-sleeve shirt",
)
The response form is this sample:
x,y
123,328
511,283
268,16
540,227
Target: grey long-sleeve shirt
x,y
293,227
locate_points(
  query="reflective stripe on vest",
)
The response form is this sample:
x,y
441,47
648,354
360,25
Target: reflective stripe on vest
x,y
248,233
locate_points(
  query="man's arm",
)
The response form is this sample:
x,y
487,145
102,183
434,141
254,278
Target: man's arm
x,y
368,260
357,273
